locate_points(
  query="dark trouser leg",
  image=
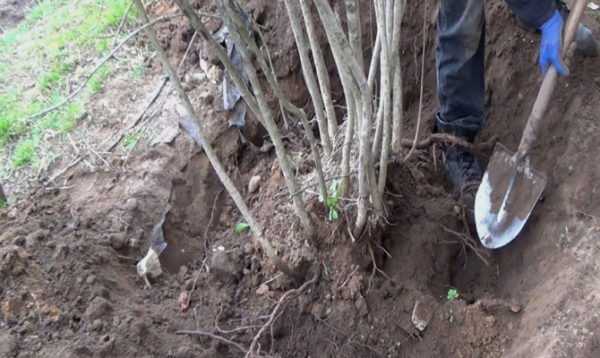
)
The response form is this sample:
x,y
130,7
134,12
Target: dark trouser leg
x,y
459,55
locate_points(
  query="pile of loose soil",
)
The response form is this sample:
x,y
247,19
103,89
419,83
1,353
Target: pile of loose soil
x,y
68,255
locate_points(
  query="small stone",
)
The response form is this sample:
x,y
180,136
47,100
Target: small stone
x,y
195,78
248,249
96,325
254,184
225,266
90,280
361,306
8,345
183,271
204,65
214,74
490,319
421,315
318,311
262,289
19,241
184,300
96,309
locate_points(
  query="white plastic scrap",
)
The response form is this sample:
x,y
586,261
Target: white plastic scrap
x,y
593,6
149,266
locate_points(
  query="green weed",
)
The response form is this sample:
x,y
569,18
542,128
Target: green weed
x,y
132,139
241,227
333,200
96,83
452,294
24,152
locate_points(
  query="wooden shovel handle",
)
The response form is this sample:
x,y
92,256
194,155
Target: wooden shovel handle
x,y
545,93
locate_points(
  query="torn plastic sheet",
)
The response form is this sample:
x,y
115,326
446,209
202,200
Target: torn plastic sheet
x,y
231,94
149,266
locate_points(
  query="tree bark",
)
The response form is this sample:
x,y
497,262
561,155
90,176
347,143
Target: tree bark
x,y
2,195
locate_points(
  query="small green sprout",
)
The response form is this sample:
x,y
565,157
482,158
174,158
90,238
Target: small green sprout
x,y
452,294
241,227
333,200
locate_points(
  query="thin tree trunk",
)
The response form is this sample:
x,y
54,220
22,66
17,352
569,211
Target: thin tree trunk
x,y
309,77
213,158
386,90
2,195
348,138
397,116
354,30
267,115
374,62
322,73
339,44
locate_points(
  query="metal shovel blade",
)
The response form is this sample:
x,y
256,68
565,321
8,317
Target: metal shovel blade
x,y
505,198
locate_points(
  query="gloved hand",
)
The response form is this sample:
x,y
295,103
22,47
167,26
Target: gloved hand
x,y
550,47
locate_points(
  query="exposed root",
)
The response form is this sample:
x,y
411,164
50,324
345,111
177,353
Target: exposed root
x,y
375,269
254,349
480,148
215,336
466,241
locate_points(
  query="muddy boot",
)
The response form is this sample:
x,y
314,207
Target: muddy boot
x,y
465,174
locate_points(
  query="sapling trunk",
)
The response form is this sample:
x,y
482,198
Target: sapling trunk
x,y
322,73
309,77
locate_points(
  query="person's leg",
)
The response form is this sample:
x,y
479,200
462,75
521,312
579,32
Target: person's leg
x,y
460,67
459,58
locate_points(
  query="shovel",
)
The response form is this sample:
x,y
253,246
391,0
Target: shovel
x,y
510,187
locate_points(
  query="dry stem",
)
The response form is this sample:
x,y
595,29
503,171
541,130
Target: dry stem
x,y
309,77
322,73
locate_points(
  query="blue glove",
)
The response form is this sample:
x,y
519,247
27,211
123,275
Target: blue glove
x,y
551,43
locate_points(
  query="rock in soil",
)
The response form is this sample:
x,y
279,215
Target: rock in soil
x,y
421,315
226,266
8,345
96,309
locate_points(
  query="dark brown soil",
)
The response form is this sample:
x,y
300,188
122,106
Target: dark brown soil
x,y
67,256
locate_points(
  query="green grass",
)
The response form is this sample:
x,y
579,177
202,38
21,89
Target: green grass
x,y
131,139
45,58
